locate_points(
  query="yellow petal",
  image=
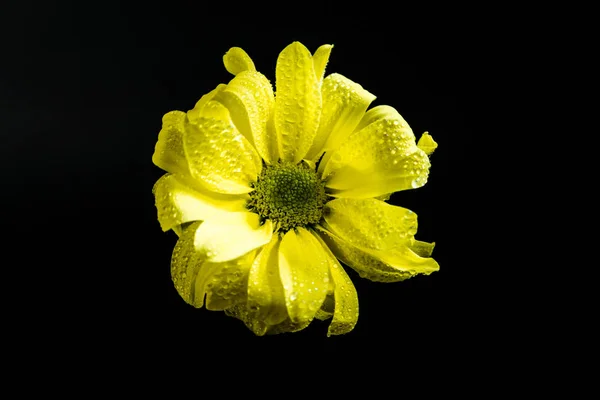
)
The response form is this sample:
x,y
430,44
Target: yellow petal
x,y
375,114
380,266
179,229
185,264
249,99
370,223
344,105
198,110
228,284
178,202
259,327
345,313
303,268
265,290
244,314
427,144
168,152
380,158
320,59
218,155
323,315
297,103
328,306
310,164
422,249
288,326
204,276
384,197
230,235
237,60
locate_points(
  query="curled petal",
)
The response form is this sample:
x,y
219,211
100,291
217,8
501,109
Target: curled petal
x,y
384,197
288,326
248,317
370,223
259,327
298,102
237,60
344,105
218,155
427,144
323,315
168,152
345,314
178,229
227,285
304,272
320,59
199,109
380,266
249,99
422,249
179,201
266,297
376,114
186,262
230,235
380,158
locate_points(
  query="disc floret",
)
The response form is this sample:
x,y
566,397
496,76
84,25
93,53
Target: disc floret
x,y
290,195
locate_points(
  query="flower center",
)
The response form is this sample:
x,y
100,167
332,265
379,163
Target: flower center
x,y
289,195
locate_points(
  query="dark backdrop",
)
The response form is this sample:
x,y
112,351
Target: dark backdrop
x,y
84,95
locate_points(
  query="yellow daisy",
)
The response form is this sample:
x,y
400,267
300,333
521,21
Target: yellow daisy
x,y
267,191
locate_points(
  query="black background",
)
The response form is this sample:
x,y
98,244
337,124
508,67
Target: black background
x,y
84,94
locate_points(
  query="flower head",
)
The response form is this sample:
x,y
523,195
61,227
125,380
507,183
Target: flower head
x,y
268,191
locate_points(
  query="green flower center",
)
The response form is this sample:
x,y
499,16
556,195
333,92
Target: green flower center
x,y
289,195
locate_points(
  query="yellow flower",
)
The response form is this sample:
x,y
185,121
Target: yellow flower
x,y
267,192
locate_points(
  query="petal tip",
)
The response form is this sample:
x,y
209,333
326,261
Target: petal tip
x,y
427,144
296,46
236,60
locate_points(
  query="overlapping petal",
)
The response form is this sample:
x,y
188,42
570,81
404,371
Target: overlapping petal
x,y
225,283
179,200
380,157
344,105
345,314
168,152
380,266
288,326
199,111
370,223
231,235
259,327
266,297
298,102
250,101
304,272
328,306
248,317
320,59
185,265
218,155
